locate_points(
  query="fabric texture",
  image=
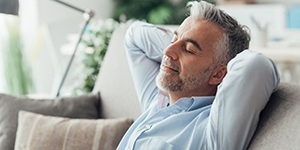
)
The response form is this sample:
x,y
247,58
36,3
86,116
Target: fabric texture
x,y
86,106
224,122
39,132
278,127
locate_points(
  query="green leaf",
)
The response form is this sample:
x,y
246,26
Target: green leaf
x,y
160,15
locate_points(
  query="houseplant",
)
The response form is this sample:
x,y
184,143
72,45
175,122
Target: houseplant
x,y
153,11
93,48
17,71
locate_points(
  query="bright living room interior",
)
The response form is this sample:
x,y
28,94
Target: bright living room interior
x,y
50,31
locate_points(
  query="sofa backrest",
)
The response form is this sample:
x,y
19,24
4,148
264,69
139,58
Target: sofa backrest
x,y
115,82
279,125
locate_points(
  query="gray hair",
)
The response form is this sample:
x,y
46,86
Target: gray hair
x,y
236,37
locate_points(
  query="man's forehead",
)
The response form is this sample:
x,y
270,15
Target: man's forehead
x,y
204,33
186,24
195,26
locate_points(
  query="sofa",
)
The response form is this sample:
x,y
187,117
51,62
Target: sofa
x,y
100,118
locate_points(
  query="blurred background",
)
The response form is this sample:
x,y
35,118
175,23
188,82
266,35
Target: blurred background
x,y
37,37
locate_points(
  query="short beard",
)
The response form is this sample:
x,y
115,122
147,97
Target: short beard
x,y
171,86
182,83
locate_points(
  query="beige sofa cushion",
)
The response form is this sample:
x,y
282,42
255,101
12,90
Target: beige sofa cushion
x,y
279,125
39,132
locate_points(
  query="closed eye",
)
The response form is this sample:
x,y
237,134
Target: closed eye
x,y
188,49
195,43
187,40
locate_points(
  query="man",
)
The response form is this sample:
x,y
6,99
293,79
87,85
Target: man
x,y
198,88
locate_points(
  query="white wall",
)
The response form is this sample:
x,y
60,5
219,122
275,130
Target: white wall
x,y
3,39
288,2
45,26
271,17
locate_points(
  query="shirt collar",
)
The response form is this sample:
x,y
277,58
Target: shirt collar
x,y
187,104
200,102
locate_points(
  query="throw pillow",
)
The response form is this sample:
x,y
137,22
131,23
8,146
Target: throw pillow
x,y
39,132
86,106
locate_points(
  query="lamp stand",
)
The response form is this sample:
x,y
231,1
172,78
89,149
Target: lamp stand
x,y
87,15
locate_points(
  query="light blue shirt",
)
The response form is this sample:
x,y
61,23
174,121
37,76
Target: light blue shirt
x,y
226,121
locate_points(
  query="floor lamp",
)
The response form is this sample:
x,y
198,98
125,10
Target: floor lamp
x,y
87,15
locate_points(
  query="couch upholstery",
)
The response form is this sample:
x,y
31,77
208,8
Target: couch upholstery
x,y
278,127
115,82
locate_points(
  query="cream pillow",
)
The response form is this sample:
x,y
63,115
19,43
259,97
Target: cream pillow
x,y
39,132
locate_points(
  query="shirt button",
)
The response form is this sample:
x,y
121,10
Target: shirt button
x,y
147,126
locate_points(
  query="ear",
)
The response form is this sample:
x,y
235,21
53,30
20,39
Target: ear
x,y
218,75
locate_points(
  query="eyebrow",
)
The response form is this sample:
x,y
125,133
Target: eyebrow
x,y
194,43
190,41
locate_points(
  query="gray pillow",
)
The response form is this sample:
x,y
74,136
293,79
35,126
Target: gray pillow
x,y
86,106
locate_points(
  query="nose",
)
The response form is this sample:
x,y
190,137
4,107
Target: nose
x,y
172,50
